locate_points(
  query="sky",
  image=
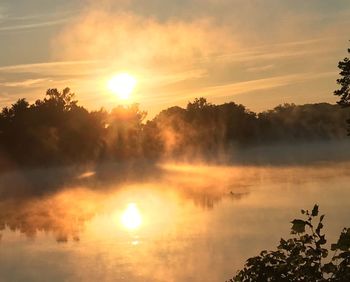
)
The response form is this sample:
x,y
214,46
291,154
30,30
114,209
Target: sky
x,y
259,53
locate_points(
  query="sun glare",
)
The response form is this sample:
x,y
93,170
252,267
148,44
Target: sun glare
x,y
131,217
122,84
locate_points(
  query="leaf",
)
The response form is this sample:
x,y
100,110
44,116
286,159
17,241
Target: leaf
x,y
298,225
324,253
322,240
344,255
315,211
329,268
334,247
344,240
318,229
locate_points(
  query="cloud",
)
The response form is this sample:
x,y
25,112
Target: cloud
x,y
24,83
261,68
5,98
177,50
32,21
40,67
130,39
237,88
2,13
33,25
262,84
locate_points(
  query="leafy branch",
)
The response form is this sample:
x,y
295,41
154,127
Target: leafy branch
x,y
303,257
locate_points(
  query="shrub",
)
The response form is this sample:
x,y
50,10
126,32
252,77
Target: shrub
x,y
304,257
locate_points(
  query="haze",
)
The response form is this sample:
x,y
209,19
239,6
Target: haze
x,y
258,53
174,140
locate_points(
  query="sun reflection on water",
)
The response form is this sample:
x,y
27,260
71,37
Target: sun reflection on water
x,y
131,218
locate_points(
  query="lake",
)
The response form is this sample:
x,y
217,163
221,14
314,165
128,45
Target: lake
x,y
176,222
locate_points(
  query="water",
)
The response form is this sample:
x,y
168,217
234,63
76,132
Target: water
x,y
180,223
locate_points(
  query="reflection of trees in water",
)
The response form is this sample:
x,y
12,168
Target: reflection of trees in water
x,y
39,200
41,182
205,200
206,186
63,214
208,199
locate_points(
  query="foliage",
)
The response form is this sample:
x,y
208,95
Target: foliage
x,y
303,257
344,82
57,131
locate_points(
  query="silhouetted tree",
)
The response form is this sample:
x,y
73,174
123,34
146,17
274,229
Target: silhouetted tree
x,y
51,131
344,82
123,134
290,123
57,131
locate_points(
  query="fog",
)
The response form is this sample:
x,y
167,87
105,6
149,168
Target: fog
x,y
199,221
200,189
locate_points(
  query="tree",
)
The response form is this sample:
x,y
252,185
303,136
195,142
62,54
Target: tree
x,y
344,82
123,135
197,104
62,99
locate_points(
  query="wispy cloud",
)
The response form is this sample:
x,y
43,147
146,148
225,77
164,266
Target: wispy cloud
x,y
41,16
24,83
33,25
241,87
261,68
5,98
2,13
43,66
177,52
253,55
262,84
10,22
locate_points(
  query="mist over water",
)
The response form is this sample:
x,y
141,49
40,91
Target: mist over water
x,y
169,222
174,141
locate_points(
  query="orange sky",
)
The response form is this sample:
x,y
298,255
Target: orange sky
x,y
258,53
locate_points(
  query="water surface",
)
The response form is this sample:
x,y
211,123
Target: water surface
x,y
180,223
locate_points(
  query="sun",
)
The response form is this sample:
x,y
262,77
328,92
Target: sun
x,y
122,84
131,217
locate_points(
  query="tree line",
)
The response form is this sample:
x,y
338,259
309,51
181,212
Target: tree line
x,y
57,131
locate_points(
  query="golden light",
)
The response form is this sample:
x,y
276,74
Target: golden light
x,y
131,217
122,84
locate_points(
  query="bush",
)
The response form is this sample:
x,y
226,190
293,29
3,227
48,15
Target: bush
x,y
303,257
